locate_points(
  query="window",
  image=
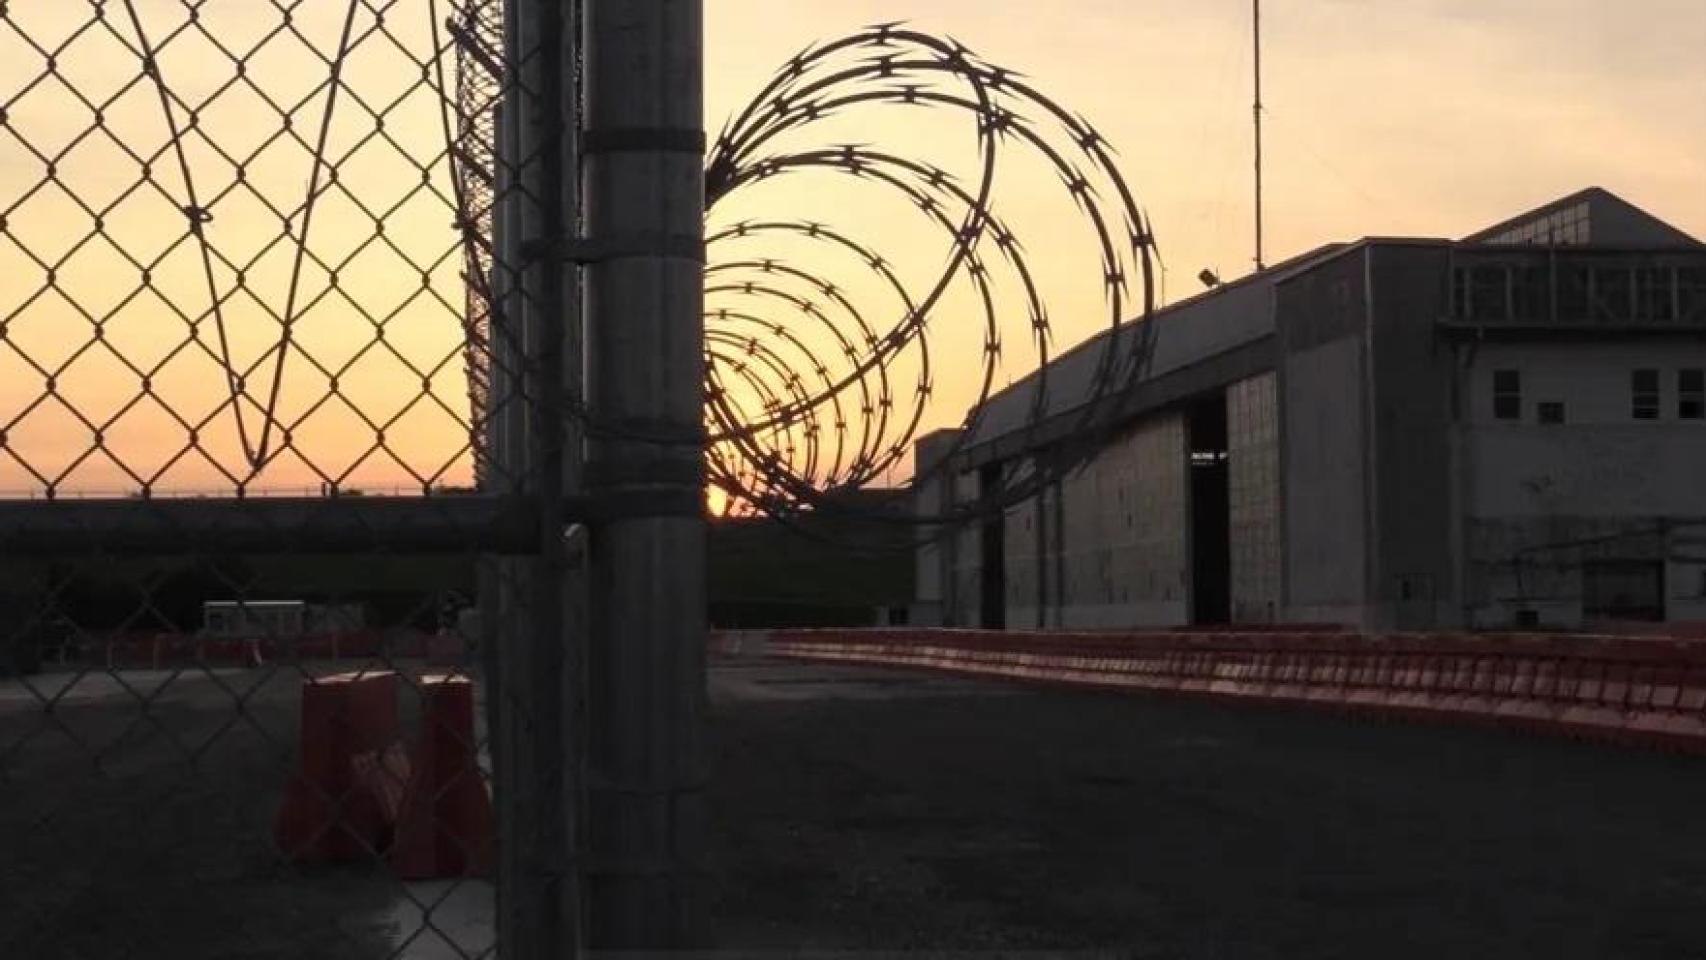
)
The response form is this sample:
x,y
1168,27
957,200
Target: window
x,y
1507,395
1644,394
1552,411
1691,394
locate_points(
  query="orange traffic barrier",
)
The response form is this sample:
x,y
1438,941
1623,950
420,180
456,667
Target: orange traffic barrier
x,y
445,827
1626,689
337,806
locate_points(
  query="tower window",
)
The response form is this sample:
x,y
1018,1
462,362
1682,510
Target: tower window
x,y
1507,395
1644,394
1551,412
1691,394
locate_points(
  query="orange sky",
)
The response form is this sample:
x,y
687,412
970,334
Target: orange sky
x,y
1423,117
1420,117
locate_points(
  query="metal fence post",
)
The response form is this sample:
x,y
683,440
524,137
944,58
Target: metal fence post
x,y
642,150
537,355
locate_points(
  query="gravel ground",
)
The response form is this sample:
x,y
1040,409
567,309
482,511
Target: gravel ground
x,y
913,813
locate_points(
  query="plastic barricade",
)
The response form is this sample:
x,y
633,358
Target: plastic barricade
x,y
445,826
339,805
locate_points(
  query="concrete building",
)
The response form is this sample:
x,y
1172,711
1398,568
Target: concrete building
x,y
1392,434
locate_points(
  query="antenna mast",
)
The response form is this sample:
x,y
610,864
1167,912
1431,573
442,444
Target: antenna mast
x,y
1256,21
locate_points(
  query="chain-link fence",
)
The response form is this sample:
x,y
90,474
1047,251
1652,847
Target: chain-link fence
x,y
265,264
250,289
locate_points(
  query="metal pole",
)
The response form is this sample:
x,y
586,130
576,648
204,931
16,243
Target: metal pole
x,y
535,332
1256,21
643,155
502,603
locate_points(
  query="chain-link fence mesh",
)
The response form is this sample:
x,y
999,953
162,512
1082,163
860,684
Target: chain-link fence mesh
x,y
234,248
247,295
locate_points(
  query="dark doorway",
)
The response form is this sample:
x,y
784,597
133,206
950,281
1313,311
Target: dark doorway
x,y
992,591
1211,529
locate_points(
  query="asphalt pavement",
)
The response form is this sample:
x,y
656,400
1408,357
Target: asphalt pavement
x,y
878,811
863,809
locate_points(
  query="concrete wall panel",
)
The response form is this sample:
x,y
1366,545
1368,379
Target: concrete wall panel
x,y
1252,425
964,601
1324,485
1124,526
1024,554
1411,459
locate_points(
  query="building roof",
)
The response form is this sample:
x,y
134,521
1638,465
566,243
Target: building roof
x,y
1606,220
1219,319
1240,311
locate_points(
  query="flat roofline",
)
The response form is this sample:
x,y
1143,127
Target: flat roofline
x,y
1577,249
1383,241
1273,274
1501,249
1246,359
1324,254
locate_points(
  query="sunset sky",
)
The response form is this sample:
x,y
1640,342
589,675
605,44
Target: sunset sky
x,y
1406,117
1384,117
